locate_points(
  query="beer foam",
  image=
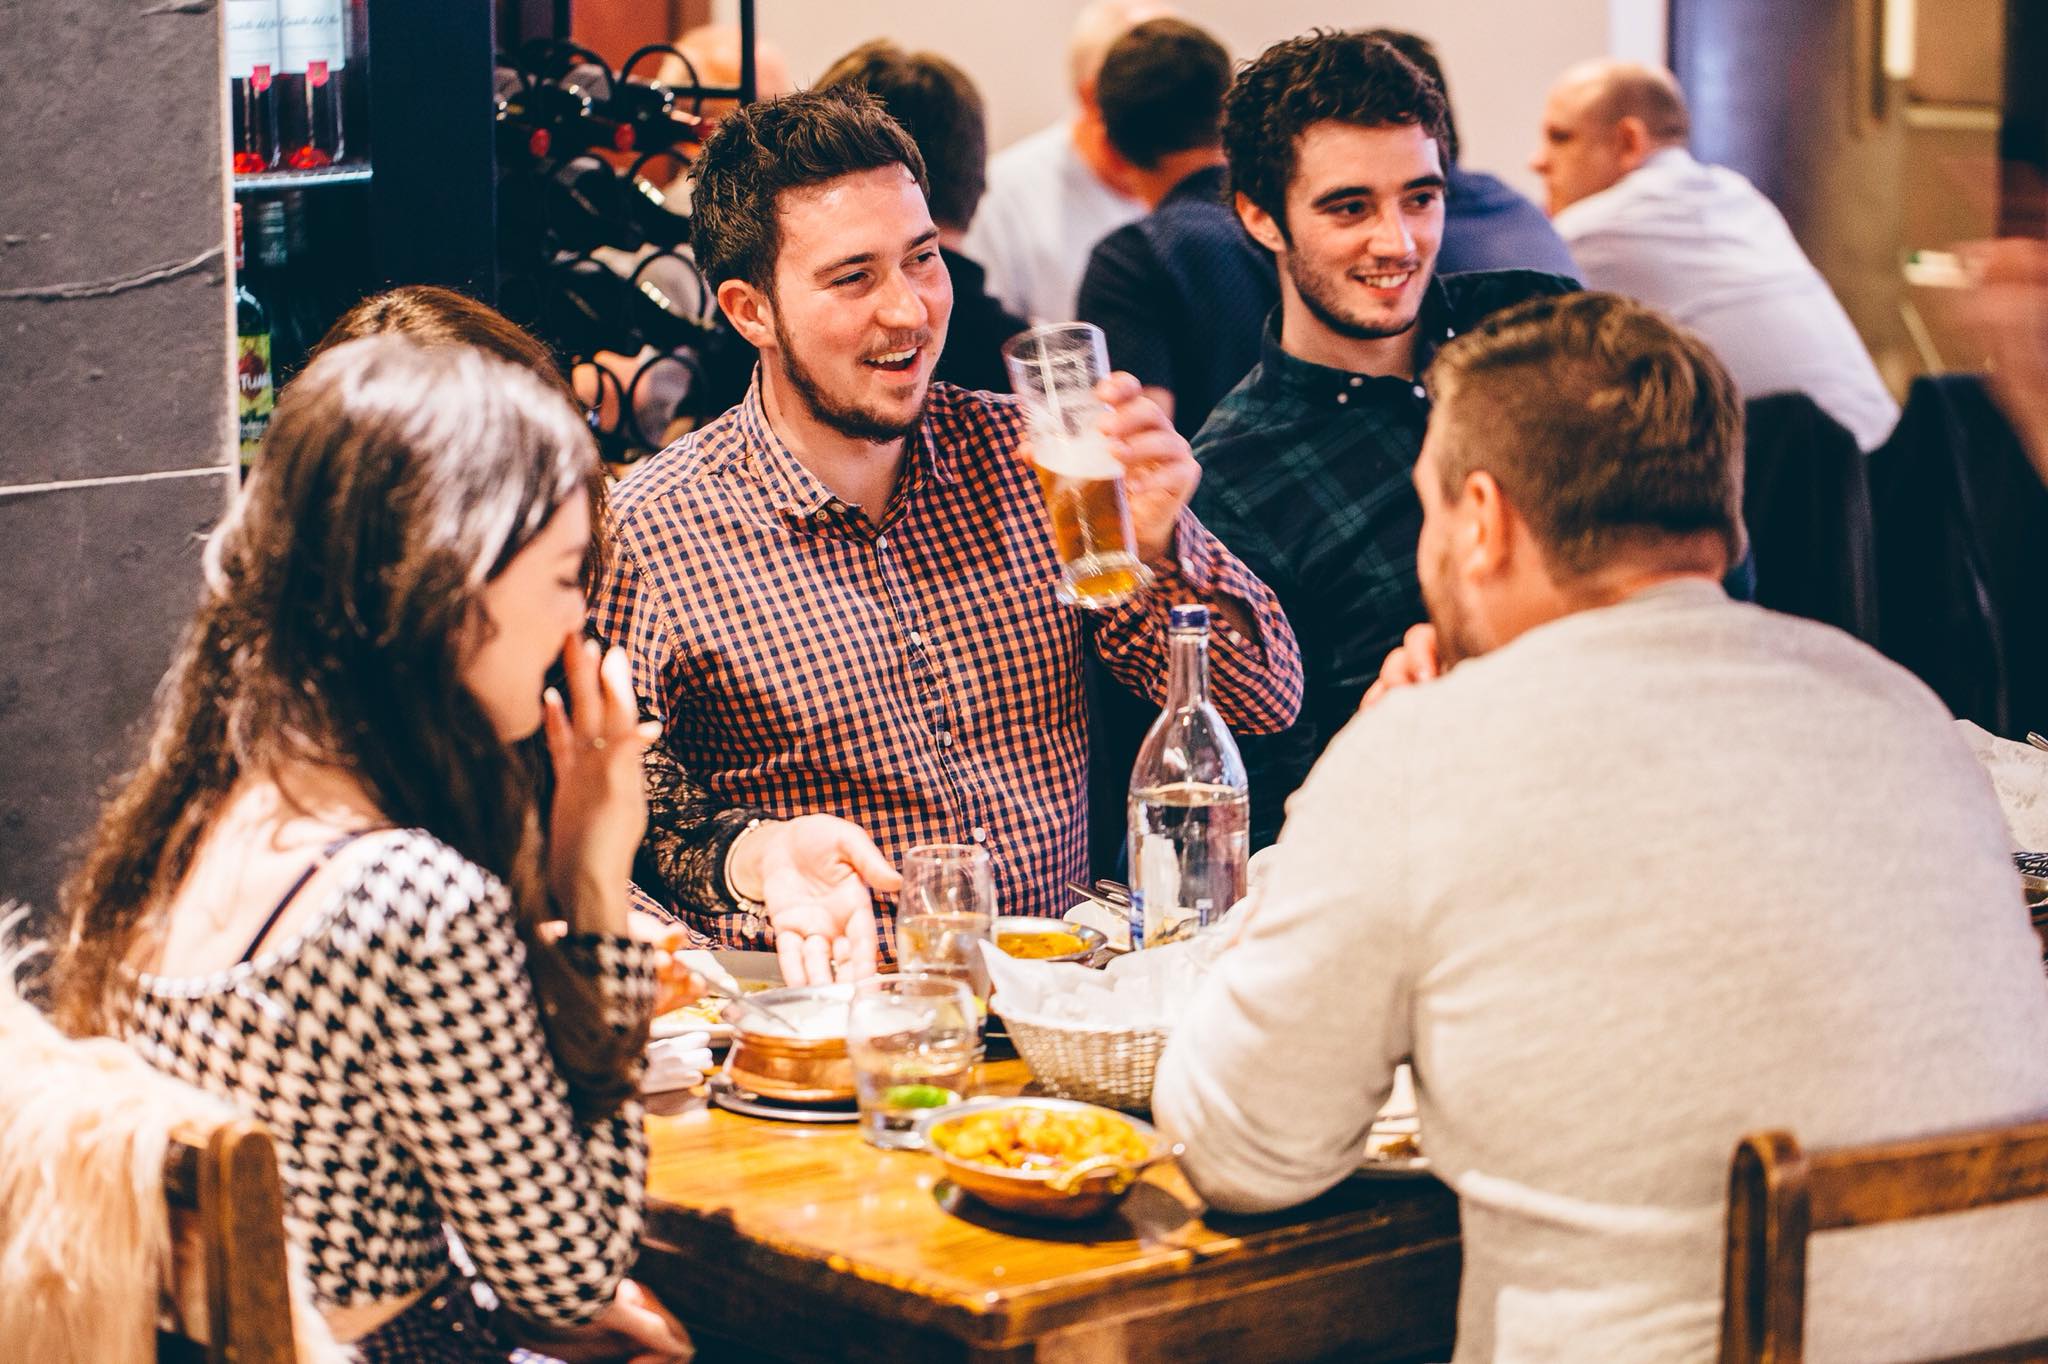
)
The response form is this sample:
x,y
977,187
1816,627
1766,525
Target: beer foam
x,y
1084,456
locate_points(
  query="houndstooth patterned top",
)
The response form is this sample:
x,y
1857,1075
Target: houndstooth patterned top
x,y
394,1047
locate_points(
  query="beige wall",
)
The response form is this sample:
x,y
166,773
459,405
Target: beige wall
x,y
1500,55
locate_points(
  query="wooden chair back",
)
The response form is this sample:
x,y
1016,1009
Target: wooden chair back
x,y
1780,1195
226,1180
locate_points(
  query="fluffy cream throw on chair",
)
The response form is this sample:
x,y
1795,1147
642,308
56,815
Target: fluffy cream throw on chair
x,y
85,1238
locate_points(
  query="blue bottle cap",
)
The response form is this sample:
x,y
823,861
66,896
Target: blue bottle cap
x,y
1188,617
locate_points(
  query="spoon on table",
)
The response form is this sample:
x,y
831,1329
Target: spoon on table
x,y
1122,1173
719,983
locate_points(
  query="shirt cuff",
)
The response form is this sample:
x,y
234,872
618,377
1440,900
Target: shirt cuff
x,y
1194,573
622,969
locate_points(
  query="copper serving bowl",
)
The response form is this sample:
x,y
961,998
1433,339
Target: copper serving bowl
x,y
1084,1189
766,1059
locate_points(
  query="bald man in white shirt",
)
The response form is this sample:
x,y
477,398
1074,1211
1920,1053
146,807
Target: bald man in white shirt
x,y
1700,243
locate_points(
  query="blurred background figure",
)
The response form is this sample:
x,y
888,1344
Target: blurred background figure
x,y
1182,292
942,111
1056,193
2009,308
1487,225
1700,243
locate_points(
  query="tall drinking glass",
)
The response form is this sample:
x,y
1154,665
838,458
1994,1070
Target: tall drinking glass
x,y
946,911
913,1040
1054,371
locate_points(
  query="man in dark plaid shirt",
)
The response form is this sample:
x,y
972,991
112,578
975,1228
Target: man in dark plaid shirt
x,y
1337,153
838,596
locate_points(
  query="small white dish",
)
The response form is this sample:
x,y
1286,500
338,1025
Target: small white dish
x,y
1113,927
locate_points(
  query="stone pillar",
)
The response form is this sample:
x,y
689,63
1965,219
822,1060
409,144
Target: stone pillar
x,y
116,444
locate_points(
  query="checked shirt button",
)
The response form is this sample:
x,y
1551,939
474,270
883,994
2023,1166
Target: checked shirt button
x,y
945,738
979,835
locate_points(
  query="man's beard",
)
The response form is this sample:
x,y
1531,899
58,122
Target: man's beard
x,y
1454,642
1318,299
852,422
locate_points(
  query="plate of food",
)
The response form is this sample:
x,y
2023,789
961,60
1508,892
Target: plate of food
x,y
1391,1150
753,971
1393,1146
1055,1158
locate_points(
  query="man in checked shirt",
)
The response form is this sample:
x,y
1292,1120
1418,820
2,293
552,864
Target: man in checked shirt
x,y
838,597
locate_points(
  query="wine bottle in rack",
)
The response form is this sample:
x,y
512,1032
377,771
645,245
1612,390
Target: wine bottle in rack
x,y
658,117
586,206
564,109
253,49
313,62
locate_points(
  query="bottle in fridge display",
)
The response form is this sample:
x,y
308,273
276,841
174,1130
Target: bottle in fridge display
x,y
252,33
313,64
254,397
1190,808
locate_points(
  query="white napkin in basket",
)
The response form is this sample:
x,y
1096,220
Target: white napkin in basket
x,y
1146,989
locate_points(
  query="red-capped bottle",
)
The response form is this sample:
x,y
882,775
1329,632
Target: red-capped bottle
x,y
312,66
252,83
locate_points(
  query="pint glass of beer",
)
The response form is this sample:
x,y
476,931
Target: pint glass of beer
x,y
1054,371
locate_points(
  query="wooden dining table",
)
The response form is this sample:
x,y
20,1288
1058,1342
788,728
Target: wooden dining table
x,y
786,1241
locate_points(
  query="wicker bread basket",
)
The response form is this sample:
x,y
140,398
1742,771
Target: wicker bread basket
x,y
1111,1066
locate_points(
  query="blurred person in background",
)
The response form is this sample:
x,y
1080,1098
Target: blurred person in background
x,y
1700,243
1054,194
326,893
1338,146
942,111
2008,303
1182,293
1581,861
1487,225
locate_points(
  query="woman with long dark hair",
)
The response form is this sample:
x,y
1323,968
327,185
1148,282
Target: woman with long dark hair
x,y
325,893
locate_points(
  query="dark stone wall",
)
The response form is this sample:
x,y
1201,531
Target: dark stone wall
x,y
116,444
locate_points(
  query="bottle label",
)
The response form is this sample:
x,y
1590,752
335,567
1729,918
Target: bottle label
x,y
312,32
255,397
252,40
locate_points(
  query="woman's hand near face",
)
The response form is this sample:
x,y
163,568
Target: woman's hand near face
x,y
600,808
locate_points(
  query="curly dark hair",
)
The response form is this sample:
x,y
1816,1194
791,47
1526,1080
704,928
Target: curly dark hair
x,y
1319,77
773,146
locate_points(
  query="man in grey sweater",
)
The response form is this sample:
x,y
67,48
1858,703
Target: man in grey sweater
x,y
1626,870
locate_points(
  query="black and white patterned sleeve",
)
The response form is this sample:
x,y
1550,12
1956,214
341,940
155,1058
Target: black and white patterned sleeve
x,y
548,1207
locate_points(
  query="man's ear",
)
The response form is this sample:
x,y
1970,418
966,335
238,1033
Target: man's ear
x,y
1486,533
1265,231
749,311
1632,142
